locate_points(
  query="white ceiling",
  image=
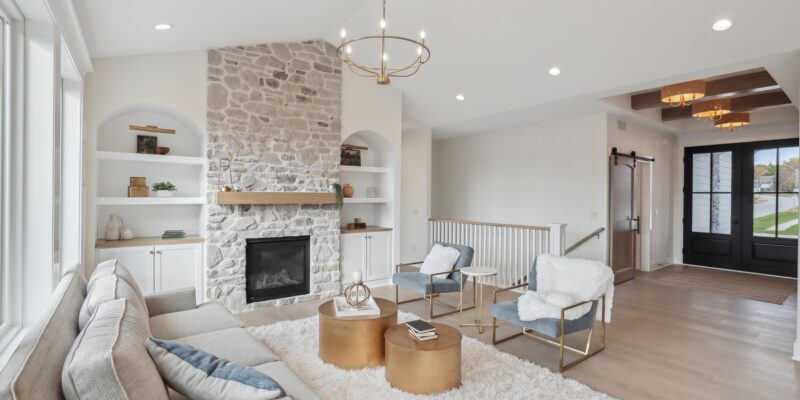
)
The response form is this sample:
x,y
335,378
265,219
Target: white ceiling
x,y
496,53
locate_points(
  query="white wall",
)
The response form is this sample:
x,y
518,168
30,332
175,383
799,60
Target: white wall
x,y
711,137
415,194
662,146
367,106
554,172
174,83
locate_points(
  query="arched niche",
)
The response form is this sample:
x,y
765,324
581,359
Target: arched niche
x,y
113,133
377,211
380,153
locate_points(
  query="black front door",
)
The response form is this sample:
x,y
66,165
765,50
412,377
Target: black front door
x,y
712,205
741,206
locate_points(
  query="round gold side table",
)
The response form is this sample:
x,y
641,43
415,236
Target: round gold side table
x,y
354,342
423,367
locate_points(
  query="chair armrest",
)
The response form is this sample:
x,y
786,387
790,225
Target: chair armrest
x,y
171,301
496,290
397,267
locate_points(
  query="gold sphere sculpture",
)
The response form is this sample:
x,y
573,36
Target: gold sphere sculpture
x,y
357,295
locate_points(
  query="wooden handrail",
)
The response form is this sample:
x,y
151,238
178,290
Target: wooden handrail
x,y
585,239
458,221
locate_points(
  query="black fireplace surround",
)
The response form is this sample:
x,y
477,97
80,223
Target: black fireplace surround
x,y
277,267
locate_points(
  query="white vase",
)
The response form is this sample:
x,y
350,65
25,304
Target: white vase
x,y
126,233
113,227
164,193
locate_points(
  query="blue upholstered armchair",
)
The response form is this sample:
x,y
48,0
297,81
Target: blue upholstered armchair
x,y
551,330
431,286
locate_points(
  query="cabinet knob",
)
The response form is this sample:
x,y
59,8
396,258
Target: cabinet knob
x,y
158,252
152,252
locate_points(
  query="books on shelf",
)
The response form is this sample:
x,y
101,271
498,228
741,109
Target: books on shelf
x,y
174,234
346,310
421,330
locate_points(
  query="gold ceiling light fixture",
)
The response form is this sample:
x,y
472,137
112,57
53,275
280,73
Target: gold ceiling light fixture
x,y
383,72
733,121
712,109
684,93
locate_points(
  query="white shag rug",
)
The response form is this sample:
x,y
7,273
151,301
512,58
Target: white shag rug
x,y
486,373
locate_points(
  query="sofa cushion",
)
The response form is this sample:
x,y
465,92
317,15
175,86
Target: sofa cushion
x,y
421,283
112,267
109,359
110,287
203,376
233,344
205,318
289,381
34,369
440,259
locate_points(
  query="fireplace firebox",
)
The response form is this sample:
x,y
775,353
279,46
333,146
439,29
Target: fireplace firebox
x,y
277,267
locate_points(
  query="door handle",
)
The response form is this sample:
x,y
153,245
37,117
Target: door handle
x,y
637,230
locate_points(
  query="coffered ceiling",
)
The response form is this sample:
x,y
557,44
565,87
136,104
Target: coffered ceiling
x,y
497,54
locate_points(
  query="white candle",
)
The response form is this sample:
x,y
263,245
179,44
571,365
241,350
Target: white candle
x,y
357,277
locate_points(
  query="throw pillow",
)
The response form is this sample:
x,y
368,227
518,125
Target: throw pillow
x,y
112,267
108,288
201,376
440,259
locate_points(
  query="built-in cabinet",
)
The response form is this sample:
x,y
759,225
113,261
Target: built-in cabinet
x,y
370,253
159,268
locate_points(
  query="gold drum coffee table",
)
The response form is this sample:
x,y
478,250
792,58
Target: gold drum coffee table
x,y
423,367
354,342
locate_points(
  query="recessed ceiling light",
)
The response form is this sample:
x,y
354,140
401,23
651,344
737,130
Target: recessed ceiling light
x,y
460,97
554,71
162,27
722,25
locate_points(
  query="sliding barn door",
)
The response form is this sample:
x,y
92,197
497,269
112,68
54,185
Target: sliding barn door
x,y
624,217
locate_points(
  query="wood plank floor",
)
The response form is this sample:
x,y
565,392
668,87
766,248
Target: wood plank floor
x,y
663,342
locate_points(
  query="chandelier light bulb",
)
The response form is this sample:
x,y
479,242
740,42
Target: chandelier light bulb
x,y
349,49
343,33
422,34
383,23
419,50
385,57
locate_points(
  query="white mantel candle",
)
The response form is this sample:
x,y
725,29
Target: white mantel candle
x,y
357,277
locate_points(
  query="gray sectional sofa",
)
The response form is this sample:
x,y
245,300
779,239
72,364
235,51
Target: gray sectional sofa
x,y
34,371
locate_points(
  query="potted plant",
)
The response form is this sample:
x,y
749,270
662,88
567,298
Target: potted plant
x,y
337,189
164,189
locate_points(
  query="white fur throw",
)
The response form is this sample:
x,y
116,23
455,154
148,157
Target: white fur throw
x,y
440,259
562,281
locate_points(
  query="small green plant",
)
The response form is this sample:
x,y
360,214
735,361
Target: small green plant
x,y
168,186
337,189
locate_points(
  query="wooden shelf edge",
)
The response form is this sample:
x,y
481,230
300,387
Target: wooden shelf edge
x,y
147,241
233,198
366,230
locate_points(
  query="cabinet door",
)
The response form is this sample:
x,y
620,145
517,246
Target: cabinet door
x,y
177,266
138,260
353,255
379,253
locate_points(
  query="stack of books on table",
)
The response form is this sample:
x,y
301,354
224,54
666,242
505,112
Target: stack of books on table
x,y
174,234
421,330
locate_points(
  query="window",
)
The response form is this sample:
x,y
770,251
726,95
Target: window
x,y
711,192
776,183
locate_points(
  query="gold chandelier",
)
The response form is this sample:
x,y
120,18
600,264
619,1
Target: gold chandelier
x,y
733,121
383,71
683,94
712,109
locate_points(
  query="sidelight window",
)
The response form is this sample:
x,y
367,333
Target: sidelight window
x,y
711,192
775,192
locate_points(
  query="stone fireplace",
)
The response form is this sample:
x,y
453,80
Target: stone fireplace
x,y
274,111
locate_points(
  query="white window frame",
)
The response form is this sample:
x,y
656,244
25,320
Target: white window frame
x,y
11,183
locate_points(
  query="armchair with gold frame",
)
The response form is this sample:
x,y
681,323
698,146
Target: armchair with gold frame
x,y
431,286
551,330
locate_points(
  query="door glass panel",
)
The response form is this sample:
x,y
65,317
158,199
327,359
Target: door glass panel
x,y
701,172
787,215
721,213
764,215
701,212
764,169
788,160
722,171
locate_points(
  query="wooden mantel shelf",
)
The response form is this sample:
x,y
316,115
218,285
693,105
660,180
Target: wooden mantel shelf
x,y
274,198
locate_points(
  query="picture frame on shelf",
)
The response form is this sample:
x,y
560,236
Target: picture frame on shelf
x,y
146,144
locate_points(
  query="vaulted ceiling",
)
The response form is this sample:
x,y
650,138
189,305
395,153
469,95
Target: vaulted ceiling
x,y
497,54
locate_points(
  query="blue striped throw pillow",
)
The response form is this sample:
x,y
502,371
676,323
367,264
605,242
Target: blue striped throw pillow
x,y
200,375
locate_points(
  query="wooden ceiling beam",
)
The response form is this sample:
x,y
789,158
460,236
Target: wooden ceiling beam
x,y
738,104
729,85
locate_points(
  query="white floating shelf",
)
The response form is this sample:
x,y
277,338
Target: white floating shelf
x,y
148,201
367,170
154,158
364,200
